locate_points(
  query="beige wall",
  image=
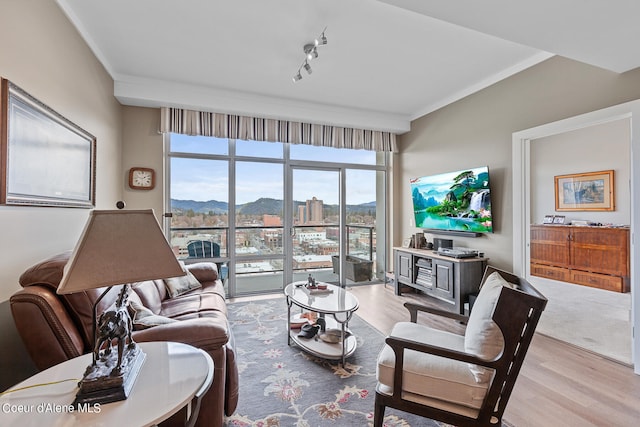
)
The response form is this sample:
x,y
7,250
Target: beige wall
x,y
42,53
594,148
143,148
478,131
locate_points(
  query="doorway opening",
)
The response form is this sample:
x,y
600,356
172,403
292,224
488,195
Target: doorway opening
x,y
522,188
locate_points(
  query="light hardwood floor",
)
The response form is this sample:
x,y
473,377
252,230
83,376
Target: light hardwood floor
x,y
559,384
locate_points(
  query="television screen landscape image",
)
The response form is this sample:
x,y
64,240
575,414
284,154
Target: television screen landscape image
x,y
454,201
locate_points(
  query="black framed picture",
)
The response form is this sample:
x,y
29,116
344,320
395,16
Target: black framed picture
x,y
45,159
548,219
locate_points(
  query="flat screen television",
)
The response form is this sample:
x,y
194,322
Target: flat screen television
x,y
457,201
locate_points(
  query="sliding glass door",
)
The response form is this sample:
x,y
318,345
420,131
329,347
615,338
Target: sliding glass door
x,y
315,232
364,225
336,221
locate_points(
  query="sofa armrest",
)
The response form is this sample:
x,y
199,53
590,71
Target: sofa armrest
x,y
204,271
207,333
47,330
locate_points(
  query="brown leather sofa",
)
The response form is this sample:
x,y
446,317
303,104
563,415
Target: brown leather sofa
x,y
56,327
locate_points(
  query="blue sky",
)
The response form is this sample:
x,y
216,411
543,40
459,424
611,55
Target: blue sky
x,y
206,179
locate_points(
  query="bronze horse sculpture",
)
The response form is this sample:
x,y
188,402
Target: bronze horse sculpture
x,y
114,325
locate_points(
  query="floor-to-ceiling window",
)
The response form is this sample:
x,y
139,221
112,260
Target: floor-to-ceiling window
x,y
270,213
259,257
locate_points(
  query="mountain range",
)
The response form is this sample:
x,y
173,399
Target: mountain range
x,y
261,206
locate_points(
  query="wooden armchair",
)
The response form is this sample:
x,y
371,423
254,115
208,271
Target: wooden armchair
x,y
461,380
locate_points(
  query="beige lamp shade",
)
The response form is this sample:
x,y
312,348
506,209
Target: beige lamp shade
x,y
119,247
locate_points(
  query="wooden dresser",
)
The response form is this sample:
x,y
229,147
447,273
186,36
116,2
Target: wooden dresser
x,y
589,256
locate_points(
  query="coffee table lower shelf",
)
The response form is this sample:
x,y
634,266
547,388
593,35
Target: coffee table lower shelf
x,y
336,306
323,349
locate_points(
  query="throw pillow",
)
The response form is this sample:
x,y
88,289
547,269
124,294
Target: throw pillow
x,y
144,318
483,336
180,285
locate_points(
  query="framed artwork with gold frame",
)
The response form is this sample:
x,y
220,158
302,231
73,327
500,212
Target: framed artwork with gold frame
x,y
589,191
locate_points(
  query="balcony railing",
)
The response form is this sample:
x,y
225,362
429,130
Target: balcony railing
x,y
212,243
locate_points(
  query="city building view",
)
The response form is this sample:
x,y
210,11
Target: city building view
x,y
199,230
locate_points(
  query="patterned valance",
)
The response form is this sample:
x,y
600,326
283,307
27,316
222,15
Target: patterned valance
x,y
219,125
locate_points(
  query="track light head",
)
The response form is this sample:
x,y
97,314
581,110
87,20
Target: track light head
x,y
307,67
297,77
321,41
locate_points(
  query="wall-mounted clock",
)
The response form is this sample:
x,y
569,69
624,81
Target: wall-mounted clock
x,y
142,178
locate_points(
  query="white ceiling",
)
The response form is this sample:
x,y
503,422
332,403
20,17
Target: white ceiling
x,y
386,62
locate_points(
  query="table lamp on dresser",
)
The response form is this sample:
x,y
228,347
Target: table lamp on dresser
x,y
116,248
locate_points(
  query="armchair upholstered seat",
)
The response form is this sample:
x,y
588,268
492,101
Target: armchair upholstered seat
x,y
466,379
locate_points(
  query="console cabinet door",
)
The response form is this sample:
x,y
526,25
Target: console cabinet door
x,y
600,250
404,267
550,245
444,283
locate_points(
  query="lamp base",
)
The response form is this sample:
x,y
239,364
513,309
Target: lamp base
x,y
102,384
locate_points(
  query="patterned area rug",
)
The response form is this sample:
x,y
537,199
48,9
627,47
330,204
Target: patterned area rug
x,y
281,385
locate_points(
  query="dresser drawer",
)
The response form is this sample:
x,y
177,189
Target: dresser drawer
x,y
550,272
601,281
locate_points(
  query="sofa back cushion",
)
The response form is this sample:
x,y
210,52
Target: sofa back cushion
x,y
151,293
143,317
48,273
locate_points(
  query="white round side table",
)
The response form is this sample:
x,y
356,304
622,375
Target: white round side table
x,y
173,374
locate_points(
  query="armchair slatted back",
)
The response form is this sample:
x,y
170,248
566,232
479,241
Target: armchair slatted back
x,y
517,314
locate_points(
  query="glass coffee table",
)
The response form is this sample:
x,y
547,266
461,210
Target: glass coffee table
x,y
335,301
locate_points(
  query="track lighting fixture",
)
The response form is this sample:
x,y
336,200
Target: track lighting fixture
x,y
310,52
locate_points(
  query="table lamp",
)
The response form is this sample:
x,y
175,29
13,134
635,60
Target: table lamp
x,y
116,248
